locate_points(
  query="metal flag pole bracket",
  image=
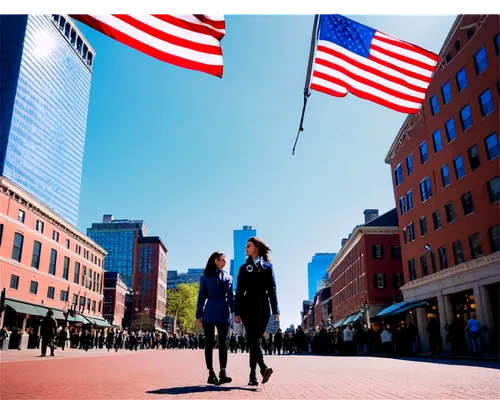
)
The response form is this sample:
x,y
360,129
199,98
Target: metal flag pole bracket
x,y
307,93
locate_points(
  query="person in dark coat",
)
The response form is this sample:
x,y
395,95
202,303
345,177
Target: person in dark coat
x,y
278,340
215,302
256,287
48,333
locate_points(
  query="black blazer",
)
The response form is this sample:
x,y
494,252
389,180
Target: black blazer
x,y
255,289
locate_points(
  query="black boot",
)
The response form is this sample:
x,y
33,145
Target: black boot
x,y
212,378
266,374
223,378
253,379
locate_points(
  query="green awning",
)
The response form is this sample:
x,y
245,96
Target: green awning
x,y
409,306
25,308
77,319
58,314
101,323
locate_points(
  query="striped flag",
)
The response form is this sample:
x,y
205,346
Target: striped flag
x,y
354,58
188,41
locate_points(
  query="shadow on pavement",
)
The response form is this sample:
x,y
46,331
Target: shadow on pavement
x,y
199,389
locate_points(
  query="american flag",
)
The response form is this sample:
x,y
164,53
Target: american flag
x,y
353,58
188,41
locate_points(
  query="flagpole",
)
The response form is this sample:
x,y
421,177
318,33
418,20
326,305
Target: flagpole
x,y
308,77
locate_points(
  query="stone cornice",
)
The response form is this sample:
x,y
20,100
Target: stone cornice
x,y
459,269
17,195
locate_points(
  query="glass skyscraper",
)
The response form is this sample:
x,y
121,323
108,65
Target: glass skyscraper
x,y
316,271
240,239
118,237
46,69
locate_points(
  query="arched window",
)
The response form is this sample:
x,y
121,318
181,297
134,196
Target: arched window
x,y
448,57
67,29
55,18
62,22
85,50
73,37
79,44
90,60
470,33
457,45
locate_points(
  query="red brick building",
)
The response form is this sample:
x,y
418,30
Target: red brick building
x,y
45,262
150,283
366,273
115,291
445,168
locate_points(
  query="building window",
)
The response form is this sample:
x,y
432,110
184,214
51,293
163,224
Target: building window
x,y
20,215
409,164
423,226
402,205
459,167
82,303
50,292
425,189
474,161
411,269
467,203
443,259
451,133
450,212
436,220
67,244
93,306
494,189
411,232
66,268
89,281
396,252
423,153
380,281
39,226
465,118
398,175
64,295
486,103
89,302
457,45
458,252
378,251
33,287
1,233
470,33
405,239
14,282
446,92
434,105
445,176
475,246
409,198
76,274
448,58
423,265
436,139
99,308
480,61
53,262
491,143
496,41
98,283
494,232
75,300
37,249
84,276
55,236
461,79
17,248
398,280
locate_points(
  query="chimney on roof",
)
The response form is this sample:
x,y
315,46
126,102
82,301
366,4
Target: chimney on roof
x,y
370,215
106,218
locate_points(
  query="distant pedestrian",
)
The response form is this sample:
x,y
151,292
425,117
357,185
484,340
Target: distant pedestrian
x,y
215,302
256,288
48,331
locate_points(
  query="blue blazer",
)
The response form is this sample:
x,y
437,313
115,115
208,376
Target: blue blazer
x,y
255,290
215,298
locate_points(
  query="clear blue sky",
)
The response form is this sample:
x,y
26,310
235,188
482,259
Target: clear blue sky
x,y
196,156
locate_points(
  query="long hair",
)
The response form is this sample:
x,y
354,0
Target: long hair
x,y
264,249
211,266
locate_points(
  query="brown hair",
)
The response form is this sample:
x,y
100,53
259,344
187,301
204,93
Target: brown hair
x,y
211,267
264,249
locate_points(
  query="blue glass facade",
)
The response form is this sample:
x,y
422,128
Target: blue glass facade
x,y
240,239
316,270
120,247
45,90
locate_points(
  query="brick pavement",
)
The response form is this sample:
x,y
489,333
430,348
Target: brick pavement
x,y
181,374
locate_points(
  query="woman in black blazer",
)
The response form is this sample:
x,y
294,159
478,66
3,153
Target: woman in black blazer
x,y
256,287
215,302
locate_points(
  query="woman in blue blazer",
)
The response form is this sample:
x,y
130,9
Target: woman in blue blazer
x,y
215,302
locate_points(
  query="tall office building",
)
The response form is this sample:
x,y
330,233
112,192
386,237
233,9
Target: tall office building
x,y
240,238
46,69
119,238
316,271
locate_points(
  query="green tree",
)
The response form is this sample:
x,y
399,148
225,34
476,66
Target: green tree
x,y
181,304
